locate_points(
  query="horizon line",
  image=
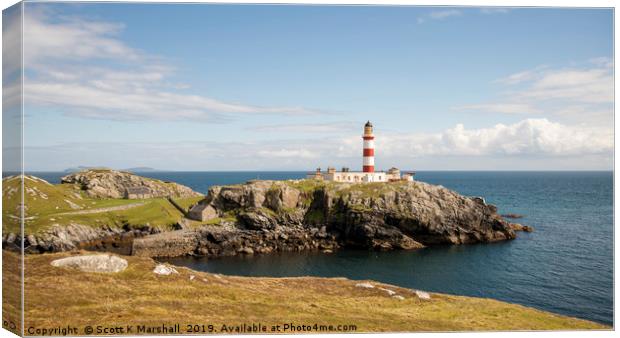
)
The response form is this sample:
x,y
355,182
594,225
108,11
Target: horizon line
x,y
297,170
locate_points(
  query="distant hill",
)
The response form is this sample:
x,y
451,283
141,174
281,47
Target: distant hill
x,y
81,168
133,170
141,169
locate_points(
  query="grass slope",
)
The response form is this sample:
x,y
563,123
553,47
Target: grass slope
x,y
47,204
63,296
187,202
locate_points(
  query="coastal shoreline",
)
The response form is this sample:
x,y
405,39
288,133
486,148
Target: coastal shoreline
x,y
258,216
192,297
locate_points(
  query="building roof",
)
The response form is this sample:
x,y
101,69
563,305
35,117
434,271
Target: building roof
x,y
368,124
138,190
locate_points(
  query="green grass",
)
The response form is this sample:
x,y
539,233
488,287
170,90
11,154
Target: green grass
x,y
268,211
369,190
57,297
187,202
48,204
219,220
308,185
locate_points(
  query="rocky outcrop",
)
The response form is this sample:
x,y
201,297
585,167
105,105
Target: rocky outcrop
x,y
217,240
77,236
105,183
270,216
93,263
166,244
386,216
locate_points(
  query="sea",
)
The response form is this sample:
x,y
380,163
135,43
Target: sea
x,y
565,266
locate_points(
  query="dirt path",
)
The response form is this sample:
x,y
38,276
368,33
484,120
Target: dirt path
x,y
99,210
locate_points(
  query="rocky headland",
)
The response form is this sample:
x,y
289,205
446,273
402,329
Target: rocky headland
x,y
106,183
269,216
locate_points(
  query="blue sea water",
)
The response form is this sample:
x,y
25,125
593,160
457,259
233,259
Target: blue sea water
x,y
565,266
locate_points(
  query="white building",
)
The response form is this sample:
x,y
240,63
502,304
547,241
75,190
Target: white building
x,y
368,173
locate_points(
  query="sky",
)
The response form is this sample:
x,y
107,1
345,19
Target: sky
x,y
203,87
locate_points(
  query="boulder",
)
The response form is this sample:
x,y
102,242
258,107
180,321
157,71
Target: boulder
x,y
257,219
388,291
521,227
182,224
364,285
161,269
93,263
422,295
246,250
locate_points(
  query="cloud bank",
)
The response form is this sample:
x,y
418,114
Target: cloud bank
x,y
582,94
84,69
535,138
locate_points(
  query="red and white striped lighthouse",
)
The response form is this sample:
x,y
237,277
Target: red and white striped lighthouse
x,y
369,149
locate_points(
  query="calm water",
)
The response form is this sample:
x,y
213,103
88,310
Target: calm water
x,y
565,266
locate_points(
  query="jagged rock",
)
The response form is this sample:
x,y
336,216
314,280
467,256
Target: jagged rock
x,y
166,244
512,216
281,216
257,220
422,295
93,263
281,197
386,216
182,224
161,269
364,285
521,227
246,250
105,183
11,238
388,291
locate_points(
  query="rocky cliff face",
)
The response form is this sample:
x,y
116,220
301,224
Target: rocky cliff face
x,y
386,216
78,236
104,183
269,216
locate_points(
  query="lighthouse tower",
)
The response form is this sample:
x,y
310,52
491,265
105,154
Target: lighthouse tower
x,y
369,149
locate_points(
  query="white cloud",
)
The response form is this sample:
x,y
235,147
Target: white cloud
x,y
582,93
287,153
439,15
63,73
328,127
502,108
517,78
580,85
494,10
522,142
602,61
444,14
527,137
73,39
11,43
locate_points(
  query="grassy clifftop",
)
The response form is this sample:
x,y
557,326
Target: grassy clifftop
x,y
63,204
138,296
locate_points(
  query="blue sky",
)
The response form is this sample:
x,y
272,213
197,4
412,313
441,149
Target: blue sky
x,y
263,87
